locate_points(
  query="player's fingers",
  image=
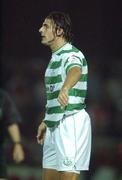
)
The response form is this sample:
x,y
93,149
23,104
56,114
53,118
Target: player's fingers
x,y
38,139
63,100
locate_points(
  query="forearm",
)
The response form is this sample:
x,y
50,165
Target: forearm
x,y
72,78
14,133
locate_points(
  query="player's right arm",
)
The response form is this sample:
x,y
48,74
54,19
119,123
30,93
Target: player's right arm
x,y
41,133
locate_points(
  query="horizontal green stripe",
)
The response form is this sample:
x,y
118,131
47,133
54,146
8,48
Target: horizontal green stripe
x,y
52,95
84,77
53,79
51,123
56,109
55,64
77,92
72,92
74,49
69,107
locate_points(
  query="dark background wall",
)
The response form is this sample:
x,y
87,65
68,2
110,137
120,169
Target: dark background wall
x,y
97,32
96,26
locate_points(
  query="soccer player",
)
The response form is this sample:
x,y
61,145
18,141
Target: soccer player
x,y
66,128
9,120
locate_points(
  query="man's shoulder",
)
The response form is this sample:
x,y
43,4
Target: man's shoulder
x,y
69,49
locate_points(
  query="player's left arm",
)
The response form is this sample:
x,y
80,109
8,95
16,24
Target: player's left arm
x,y
73,76
18,152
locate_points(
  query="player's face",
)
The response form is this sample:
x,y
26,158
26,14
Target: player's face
x,y
47,32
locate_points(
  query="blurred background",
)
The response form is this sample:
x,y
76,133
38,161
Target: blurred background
x,y
97,32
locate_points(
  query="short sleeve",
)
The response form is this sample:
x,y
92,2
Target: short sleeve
x,y
72,61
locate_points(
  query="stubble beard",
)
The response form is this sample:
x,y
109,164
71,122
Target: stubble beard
x,y
48,43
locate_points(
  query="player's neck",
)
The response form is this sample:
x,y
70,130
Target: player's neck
x,y
58,44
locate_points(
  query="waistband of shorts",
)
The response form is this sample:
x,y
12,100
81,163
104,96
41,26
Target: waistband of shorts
x,y
73,113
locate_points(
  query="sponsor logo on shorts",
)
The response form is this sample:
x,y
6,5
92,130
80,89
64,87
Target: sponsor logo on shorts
x,y
67,162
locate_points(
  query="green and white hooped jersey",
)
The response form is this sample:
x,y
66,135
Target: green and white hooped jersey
x,y
62,60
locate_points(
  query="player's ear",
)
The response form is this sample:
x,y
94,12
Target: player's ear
x,y
60,31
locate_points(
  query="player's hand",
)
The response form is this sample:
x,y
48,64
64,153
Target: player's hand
x,y
18,153
63,97
41,133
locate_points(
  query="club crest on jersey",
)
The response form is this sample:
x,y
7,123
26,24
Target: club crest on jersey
x,y
74,59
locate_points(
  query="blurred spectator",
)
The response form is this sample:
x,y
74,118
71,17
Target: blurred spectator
x,y
9,124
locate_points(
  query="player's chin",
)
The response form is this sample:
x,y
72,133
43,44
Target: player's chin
x,y
43,41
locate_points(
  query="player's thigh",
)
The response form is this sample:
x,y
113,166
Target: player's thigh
x,y
69,176
50,174
83,140
49,153
72,152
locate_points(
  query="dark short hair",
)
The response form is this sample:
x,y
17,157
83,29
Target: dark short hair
x,y
62,20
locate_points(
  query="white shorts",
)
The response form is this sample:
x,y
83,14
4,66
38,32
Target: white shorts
x,y
67,147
